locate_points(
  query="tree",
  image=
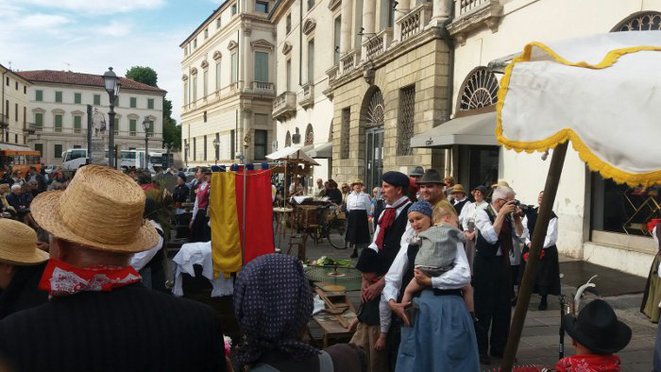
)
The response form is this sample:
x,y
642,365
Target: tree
x,y
145,75
171,132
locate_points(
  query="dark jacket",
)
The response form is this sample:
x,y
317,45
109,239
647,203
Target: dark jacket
x,y
128,329
22,292
21,203
181,193
392,240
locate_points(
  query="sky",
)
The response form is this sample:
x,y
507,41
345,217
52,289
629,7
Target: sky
x,y
90,35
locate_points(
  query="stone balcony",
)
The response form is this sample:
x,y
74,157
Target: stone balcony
x,y
308,95
29,128
284,106
263,88
471,15
378,44
414,22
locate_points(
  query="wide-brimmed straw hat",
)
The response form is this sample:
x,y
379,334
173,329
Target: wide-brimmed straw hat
x,y
100,209
457,188
18,244
500,183
597,328
357,182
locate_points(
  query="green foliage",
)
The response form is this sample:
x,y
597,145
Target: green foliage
x,y
171,133
145,75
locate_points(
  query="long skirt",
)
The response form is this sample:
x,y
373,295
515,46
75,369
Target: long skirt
x,y
200,231
548,276
442,337
358,231
652,294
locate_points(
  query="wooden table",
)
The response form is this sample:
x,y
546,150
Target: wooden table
x,y
335,326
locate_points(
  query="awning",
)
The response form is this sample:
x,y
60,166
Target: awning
x,y
467,130
292,153
321,151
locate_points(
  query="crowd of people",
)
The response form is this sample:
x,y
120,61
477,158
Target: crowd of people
x,y
82,280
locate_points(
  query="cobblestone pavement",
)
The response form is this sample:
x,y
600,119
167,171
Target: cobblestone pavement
x,y
540,339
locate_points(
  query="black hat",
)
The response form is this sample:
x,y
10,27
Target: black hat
x,y
483,189
598,329
182,175
396,179
368,262
417,172
431,176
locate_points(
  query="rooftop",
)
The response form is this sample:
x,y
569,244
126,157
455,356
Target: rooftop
x,y
77,78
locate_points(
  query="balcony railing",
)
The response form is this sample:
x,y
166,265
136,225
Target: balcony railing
x,y
349,62
284,106
414,22
332,73
471,15
377,44
308,95
262,87
4,121
29,128
467,6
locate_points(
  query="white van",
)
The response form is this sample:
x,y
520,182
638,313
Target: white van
x,y
72,159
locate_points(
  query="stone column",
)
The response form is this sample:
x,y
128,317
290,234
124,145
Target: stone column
x,y
345,28
440,12
246,130
247,65
369,14
402,9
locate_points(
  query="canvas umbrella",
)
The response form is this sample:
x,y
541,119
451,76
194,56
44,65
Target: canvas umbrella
x,y
602,93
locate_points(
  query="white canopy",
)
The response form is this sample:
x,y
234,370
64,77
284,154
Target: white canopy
x,y
292,153
466,130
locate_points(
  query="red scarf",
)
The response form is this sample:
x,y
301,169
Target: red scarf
x,y
589,363
62,279
387,219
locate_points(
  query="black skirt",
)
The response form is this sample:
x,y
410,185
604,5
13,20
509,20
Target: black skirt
x,y
548,276
358,231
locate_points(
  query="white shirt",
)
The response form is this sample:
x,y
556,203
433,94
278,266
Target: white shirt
x,y
456,278
141,259
484,225
358,201
406,237
551,232
469,211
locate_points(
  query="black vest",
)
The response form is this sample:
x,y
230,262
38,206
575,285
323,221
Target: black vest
x,y
532,214
392,239
484,248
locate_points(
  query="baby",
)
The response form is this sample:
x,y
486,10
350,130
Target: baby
x,y
438,243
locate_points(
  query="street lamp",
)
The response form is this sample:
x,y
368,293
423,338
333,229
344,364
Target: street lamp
x,y
146,124
216,144
111,83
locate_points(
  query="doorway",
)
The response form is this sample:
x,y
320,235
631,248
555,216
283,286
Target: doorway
x,y
374,157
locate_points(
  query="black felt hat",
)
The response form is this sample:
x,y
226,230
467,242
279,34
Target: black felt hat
x,y
597,328
431,176
396,179
368,262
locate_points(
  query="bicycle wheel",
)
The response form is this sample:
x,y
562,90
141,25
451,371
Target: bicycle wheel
x,y
337,234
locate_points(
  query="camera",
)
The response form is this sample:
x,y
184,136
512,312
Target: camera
x,y
523,207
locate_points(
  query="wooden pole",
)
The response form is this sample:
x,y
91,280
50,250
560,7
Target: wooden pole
x,y
529,276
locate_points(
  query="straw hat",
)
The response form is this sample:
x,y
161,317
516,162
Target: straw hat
x,y
100,209
457,188
357,182
500,183
18,244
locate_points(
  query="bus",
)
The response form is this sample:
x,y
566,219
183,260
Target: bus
x,y
72,159
17,157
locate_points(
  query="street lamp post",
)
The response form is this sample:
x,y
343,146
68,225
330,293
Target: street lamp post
x,y
216,144
146,124
111,83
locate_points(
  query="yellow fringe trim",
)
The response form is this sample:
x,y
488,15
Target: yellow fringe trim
x,y
595,164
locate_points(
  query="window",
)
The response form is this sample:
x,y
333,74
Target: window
x,y
150,103
39,121
15,111
288,26
260,144
311,61
206,33
15,138
77,124
261,66
336,39
132,127
77,98
309,135
232,143
16,87
261,7
205,148
194,149
186,92
116,129
58,96
345,133
57,151
218,23
406,120
235,67
288,75
310,4
205,83
39,95
194,88
218,75
58,123
84,155
133,102
39,147
7,83
217,148
194,43
97,99
233,9
25,90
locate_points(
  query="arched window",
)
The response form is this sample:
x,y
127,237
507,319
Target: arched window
x,y
374,110
640,21
309,135
480,89
288,139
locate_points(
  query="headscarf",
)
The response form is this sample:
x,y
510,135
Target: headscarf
x,y
272,303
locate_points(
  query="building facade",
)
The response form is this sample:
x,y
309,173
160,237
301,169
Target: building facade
x,y
389,82
303,108
228,74
14,111
599,221
57,112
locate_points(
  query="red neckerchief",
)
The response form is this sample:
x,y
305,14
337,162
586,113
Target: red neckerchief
x,y
589,363
62,279
387,219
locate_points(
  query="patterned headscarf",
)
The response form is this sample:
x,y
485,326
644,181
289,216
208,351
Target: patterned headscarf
x,y
273,302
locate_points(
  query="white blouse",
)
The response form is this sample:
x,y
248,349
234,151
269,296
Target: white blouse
x,y
358,201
